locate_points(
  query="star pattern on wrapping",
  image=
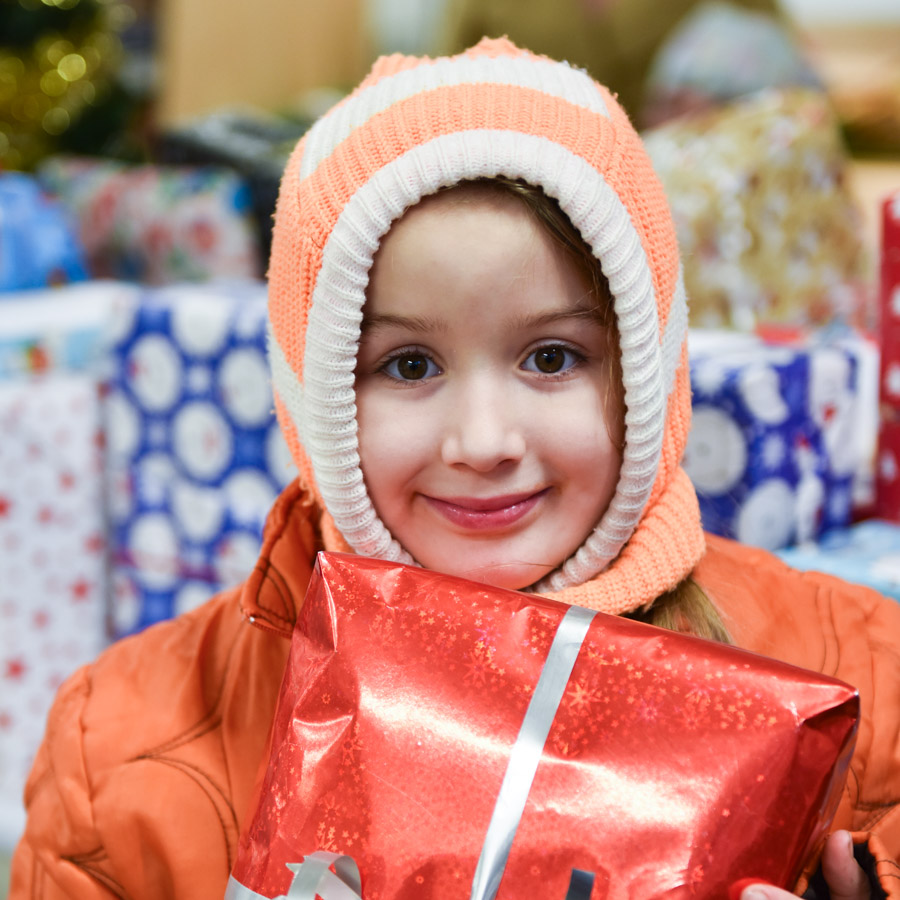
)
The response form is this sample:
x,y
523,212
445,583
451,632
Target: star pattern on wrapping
x,y
14,669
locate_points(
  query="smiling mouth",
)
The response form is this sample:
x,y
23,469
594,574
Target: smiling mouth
x,y
486,513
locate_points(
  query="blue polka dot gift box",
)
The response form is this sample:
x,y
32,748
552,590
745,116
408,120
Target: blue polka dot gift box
x,y
782,436
195,455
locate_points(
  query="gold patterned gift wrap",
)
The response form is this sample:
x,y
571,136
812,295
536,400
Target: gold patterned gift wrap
x,y
768,229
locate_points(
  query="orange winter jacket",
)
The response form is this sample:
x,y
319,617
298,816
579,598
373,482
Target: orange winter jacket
x,y
151,753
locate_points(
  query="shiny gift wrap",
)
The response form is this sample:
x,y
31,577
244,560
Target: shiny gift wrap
x,y
414,703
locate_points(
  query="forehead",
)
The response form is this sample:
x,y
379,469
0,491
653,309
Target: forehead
x,y
480,206
471,253
470,229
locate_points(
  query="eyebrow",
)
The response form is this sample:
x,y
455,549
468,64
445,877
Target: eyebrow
x,y
591,315
426,324
416,324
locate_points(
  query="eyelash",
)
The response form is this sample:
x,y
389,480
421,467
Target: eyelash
x,y
396,356
577,359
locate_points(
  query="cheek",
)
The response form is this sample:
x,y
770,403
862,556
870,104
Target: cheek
x,y
393,445
586,429
589,460
376,435
589,455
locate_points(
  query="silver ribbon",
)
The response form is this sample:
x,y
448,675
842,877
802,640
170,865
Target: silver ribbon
x,y
527,751
313,877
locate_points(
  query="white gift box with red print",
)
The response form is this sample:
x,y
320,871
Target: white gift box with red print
x,y
52,560
888,483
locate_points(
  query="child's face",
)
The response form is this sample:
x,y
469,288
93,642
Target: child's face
x,y
488,431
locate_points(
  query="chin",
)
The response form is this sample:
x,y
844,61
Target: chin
x,y
512,577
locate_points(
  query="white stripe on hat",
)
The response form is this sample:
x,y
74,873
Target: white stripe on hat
x,y
556,79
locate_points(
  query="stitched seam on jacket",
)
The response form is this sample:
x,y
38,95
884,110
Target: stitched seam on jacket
x,y
190,767
205,726
83,862
93,856
881,810
826,609
858,764
302,498
855,793
211,720
196,774
280,589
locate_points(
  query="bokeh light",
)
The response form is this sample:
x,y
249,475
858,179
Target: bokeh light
x,y
57,57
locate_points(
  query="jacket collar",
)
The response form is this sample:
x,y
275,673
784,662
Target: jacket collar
x,y
274,592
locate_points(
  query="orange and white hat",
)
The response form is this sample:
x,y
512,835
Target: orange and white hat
x,y
416,125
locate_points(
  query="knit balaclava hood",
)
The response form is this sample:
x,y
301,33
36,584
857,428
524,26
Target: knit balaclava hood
x,y
416,125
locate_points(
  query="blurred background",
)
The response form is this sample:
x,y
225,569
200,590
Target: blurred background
x,y
141,145
203,82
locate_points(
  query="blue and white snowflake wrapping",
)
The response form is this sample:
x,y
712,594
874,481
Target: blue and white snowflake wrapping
x,y
196,458
867,553
778,437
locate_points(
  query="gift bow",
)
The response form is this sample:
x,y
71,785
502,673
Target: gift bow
x,y
314,878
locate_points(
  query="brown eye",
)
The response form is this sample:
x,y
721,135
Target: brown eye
x,y
550,359
410,367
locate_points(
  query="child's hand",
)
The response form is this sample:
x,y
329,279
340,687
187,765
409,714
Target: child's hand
x,y
846,880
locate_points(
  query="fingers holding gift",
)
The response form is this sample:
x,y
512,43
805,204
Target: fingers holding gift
x,y
842,873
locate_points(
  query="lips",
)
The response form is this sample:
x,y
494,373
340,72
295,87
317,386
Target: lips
x,y
486,513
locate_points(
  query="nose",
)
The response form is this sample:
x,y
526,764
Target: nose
x,y
482,428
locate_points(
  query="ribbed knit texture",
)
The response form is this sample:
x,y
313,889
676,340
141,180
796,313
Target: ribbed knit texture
x,y
413,126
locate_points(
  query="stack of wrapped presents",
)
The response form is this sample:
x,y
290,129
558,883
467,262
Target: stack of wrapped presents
x,y
140,452
868,551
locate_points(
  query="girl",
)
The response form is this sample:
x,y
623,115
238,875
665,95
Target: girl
x,y
477,331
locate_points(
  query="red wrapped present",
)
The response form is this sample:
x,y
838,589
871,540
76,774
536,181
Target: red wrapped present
x,y
444,739
888,477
